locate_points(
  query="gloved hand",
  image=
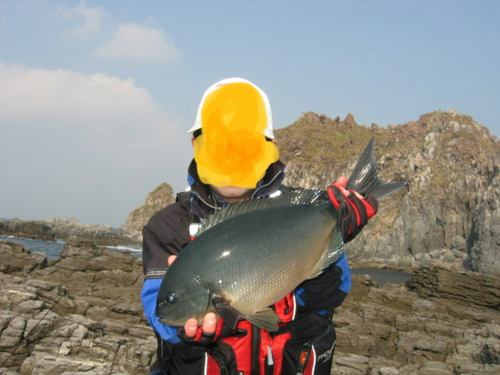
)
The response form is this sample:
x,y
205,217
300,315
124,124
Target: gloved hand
x,y
191,333
359,209
201,342
201,338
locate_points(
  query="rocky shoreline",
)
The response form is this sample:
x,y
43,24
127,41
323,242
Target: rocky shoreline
x,y
56,228
82,314
78,314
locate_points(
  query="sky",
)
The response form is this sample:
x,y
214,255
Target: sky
x,y
96,97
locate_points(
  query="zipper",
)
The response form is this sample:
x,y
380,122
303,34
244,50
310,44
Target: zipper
x,y
214,207
260,188
269,368
304,355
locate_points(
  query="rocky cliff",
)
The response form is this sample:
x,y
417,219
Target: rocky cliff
x,y
447,213
160,197
81,314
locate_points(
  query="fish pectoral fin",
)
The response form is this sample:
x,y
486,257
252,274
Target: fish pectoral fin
x,y
265,318
230,315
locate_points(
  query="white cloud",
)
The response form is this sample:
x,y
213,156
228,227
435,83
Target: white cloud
x,y
138,43
88,21
97,106
87,146
120,42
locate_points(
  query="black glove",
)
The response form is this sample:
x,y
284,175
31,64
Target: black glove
x,y
200,339
203,339
323,292
359,209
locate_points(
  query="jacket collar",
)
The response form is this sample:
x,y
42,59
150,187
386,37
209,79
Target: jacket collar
x,y
204,201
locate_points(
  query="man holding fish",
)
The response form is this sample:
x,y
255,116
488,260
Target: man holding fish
x,y
204,305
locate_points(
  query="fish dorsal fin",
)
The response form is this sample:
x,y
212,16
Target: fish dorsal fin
x,y
296,197
335,246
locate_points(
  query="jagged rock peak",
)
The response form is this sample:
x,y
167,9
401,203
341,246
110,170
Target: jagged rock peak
x,y
325,120
157,199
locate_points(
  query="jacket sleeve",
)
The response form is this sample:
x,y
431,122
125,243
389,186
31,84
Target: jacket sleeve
x,y
165,234
327,291
149,294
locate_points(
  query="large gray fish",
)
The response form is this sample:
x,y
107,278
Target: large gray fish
x,y
252,254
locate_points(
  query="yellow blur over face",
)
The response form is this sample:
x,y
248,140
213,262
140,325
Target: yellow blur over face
x,y
232,149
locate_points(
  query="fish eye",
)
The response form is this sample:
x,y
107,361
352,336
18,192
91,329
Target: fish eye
x,y
172,298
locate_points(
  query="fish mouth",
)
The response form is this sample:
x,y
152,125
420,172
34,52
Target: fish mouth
x,y
191,311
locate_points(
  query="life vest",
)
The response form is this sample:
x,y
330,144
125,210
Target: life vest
x,y
301,346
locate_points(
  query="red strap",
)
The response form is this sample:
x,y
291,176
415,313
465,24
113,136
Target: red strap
x,y
370,210
333,199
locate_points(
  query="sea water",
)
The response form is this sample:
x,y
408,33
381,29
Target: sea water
x,y
384,276
53,250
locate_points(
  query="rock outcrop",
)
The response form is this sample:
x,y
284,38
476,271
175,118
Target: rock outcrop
x,y
15,258
82,314
27,229
160,197
447,213
64,228
50,229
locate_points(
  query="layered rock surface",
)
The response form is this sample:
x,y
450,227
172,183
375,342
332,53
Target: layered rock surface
x,y
82,314
444,321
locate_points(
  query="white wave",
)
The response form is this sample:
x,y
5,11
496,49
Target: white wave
x,y
124,249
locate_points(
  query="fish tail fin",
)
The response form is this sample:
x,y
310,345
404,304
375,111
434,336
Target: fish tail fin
x,y
364,178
